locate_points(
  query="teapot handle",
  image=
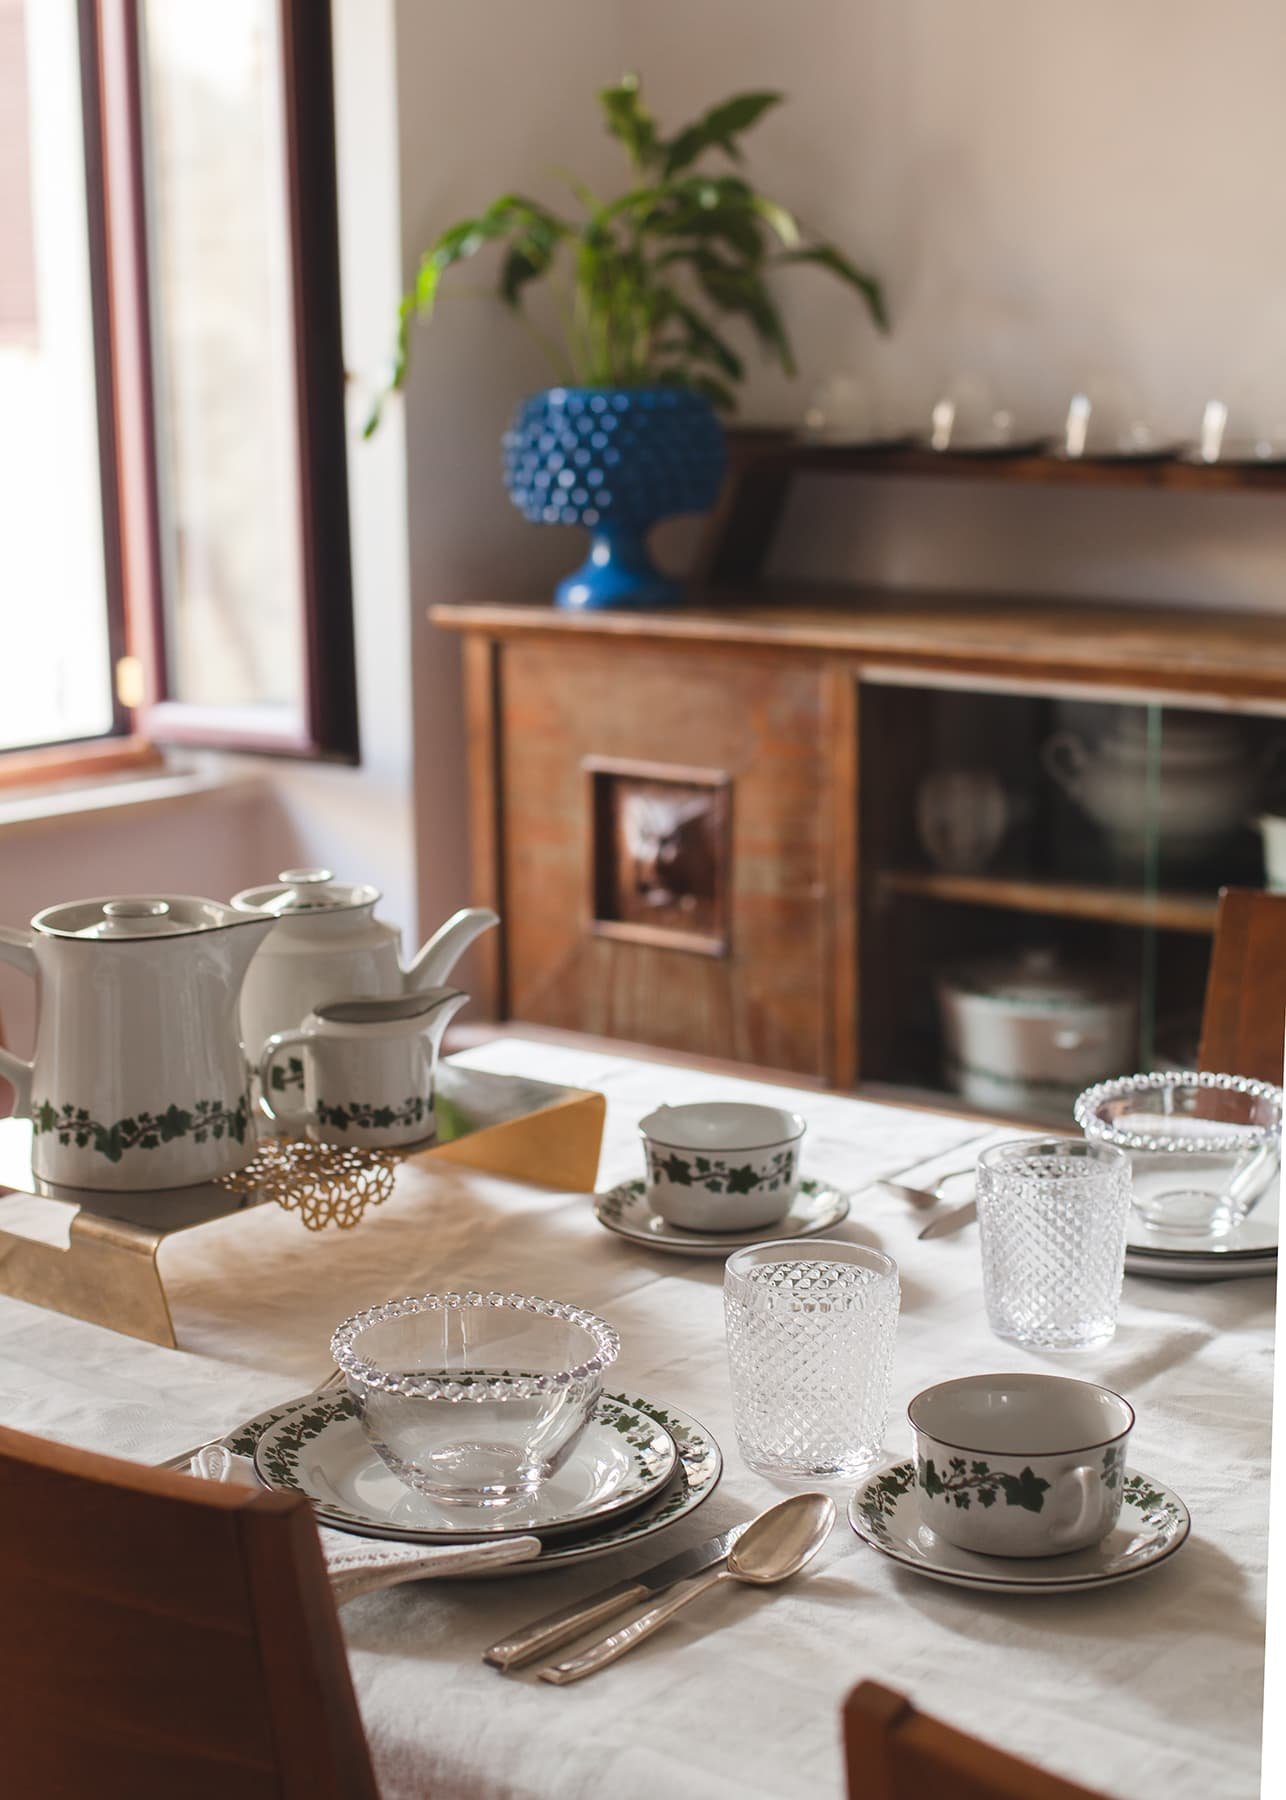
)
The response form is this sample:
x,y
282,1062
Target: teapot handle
x,y
16,948
279,1041
1066,759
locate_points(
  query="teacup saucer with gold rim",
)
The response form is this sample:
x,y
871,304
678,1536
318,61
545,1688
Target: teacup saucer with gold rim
x,y
626,1210
1154,1523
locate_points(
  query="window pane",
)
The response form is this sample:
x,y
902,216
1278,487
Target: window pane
x,y
218,229
55,667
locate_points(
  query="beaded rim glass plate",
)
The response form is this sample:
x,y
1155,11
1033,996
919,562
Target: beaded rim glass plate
x,y
319,1448
624,1209
1154,1523
696,1478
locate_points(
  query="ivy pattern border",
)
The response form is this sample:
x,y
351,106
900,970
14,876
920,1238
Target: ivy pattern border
x,y
716,1176
205,1119
363,1116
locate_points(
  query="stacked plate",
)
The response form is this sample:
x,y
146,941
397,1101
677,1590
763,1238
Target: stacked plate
x,y
1248,1248
637,1468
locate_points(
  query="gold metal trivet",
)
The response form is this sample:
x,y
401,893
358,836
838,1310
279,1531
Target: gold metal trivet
x,y
326,1184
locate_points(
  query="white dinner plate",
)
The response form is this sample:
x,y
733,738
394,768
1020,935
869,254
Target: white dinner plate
x,y
625,1210
1154,1523
700,1465
1249,1249
317,1447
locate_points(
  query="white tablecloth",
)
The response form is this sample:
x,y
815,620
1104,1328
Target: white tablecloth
x,y
1152,1687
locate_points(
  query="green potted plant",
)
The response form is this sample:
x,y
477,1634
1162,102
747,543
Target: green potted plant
x,y
646,285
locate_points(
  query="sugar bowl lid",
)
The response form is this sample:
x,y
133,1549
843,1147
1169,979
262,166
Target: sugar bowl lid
x,y
298,891
133,916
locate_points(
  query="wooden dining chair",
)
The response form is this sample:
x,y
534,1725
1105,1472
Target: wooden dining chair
x,y
162,1637
894,1752
1244,1019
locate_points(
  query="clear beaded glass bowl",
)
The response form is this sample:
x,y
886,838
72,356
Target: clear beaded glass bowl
x,y
1204,1147
474,1399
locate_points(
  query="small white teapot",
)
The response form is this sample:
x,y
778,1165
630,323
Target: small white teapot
x,y
328,945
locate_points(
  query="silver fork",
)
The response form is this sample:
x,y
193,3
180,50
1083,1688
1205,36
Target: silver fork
x,y
185,1457
923,1198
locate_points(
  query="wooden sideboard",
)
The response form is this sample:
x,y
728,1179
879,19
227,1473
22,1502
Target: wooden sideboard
x,y
693,824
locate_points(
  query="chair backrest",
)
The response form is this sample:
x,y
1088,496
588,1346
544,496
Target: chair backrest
x,y
163,1636
894,1752
1244,1019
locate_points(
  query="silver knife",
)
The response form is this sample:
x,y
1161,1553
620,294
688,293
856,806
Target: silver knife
x,y
955,1220
561,1627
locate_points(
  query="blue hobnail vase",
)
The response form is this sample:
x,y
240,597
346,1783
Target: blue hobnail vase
x,y
615,460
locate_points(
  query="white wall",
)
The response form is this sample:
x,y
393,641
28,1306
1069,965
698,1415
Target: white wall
x,y
1049,192
493,96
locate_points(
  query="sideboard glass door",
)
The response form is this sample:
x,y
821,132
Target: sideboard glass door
x,y
1039,883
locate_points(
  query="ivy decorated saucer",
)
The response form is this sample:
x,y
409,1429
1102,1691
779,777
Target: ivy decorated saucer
x,y
1154,1523
626,1210
700,1465
319,1448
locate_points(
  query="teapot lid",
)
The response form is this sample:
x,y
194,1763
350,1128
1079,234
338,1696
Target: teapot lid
x,y
134,916
304,891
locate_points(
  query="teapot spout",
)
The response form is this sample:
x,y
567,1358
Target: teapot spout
x,y
434,963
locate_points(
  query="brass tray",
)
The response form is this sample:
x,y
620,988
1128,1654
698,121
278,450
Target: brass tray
x,y
93,1254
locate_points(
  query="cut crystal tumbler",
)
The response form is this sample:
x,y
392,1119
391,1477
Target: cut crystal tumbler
x,y
810,1340
1052,1213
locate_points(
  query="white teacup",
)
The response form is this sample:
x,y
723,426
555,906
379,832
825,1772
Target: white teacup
x,y
1020,1465
721,1165
365,1069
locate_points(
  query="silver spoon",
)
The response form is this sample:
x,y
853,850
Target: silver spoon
x,y
772,1548
924,1197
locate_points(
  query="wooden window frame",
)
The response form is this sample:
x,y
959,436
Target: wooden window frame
x,y
114,130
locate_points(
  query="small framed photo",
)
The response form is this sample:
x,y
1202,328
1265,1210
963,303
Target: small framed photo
x,y
660,850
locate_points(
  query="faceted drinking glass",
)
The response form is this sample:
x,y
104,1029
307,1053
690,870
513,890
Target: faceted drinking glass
x,y
810,1339
1052,1213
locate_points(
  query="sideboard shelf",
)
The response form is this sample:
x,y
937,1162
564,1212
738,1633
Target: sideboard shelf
x,y
795,723
1059,899
1047,468
764,464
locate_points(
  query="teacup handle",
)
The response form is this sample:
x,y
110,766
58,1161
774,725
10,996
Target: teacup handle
x,y
1088,1484
279,1041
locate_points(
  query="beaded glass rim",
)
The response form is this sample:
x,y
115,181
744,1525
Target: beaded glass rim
x,y
1248,1137
607,1346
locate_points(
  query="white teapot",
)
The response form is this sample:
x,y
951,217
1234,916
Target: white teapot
x,y
139,1079
328,945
